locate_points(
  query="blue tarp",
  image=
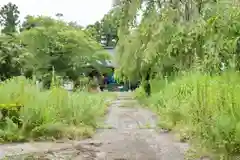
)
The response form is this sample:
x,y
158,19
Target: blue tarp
x,y
111,79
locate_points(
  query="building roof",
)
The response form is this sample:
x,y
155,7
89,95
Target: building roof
x,y
106,63
111,51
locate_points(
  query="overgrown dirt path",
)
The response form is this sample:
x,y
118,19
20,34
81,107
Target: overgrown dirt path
x,y
134,135
129,134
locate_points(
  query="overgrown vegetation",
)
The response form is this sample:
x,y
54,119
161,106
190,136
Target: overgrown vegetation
x,y
45,43
49,114
50,51
191,50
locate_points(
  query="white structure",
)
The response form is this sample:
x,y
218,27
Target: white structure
x,y
68,85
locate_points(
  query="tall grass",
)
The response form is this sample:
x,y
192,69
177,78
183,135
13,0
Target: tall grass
x,y
49,114
205,109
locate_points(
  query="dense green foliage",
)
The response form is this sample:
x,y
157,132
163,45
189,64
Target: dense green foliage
x,y
106,31
9,15
45,43
51,51
166,42
63,47
201,109
184,44
47,114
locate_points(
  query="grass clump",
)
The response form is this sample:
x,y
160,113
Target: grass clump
x,y
48,114
204,109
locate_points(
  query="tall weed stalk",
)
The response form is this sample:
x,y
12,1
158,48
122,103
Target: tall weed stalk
x,y
48,114
205,109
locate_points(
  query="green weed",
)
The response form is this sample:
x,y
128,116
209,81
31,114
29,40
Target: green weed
x,y
204,109
49,114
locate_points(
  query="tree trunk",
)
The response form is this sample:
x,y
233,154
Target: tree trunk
x,y
147,86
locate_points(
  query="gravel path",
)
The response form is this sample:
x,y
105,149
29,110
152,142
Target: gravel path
x,y
129,134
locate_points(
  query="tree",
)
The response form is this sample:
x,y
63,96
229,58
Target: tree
x,y
13,57
174,36
39,21
55,44
107,29
75,25
95,31
9,15
59,15
110,24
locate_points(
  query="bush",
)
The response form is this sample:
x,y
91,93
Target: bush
x,y
82,83
205,108
52,113
140,93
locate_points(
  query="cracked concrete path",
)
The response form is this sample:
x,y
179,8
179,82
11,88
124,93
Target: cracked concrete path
x,y
133,134
130,134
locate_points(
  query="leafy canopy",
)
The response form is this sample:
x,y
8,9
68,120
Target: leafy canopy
x,y
54,43
176,36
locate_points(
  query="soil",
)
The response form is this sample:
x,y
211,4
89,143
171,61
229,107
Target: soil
x,y
130,133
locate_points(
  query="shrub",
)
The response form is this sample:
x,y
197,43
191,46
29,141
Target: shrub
x,y
140,93
205,107
52,113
